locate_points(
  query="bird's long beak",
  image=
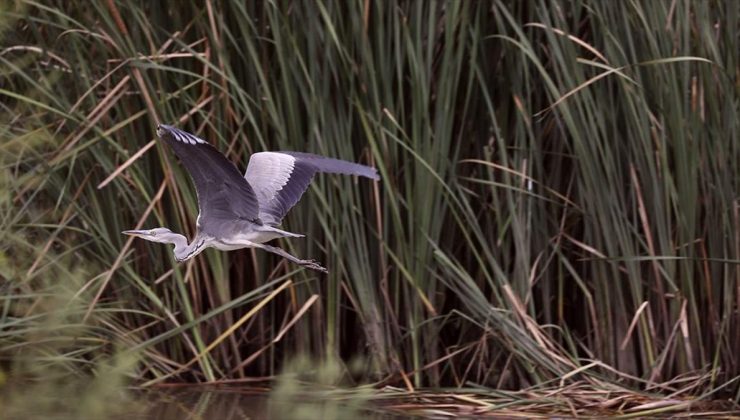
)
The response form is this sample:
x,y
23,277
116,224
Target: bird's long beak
x,y
134,232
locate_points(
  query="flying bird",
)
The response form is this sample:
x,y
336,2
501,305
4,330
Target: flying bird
x,y
238,211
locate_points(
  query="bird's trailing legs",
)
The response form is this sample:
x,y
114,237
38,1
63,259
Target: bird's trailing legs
x,y
311,264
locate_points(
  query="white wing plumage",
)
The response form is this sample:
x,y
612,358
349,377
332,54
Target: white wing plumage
x,y
279,179
267,173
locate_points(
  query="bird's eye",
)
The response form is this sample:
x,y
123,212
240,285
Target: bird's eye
x,y
153,233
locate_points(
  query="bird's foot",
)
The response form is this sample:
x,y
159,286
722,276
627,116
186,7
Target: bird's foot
x,y
313,265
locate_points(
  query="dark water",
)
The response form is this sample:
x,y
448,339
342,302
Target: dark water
x,y
103,400
187,404
231,404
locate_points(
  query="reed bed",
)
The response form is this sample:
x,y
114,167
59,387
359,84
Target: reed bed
x,y
558,208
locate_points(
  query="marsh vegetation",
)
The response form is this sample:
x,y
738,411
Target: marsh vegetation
x,y
557,225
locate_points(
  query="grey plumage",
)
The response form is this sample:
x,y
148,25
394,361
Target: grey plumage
x,y
224,196
278,195
238,212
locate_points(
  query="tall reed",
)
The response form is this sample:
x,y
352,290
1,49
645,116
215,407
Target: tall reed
x,y
559,193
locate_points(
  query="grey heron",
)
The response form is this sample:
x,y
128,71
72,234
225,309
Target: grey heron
x,y
238,211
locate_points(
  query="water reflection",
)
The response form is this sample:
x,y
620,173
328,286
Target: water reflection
x,y
238,403
195,404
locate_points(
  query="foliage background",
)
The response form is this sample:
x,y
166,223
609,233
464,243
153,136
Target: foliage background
x,y
558,203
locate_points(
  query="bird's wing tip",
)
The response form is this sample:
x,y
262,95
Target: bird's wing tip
x,y
179,135
374,175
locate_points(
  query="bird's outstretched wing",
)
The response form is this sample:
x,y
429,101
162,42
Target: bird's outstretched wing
x,y
224,196
279,179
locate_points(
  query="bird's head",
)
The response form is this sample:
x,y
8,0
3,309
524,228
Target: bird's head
x,y
161,235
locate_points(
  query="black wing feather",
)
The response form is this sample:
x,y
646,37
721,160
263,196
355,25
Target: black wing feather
x,y
292,192
224,196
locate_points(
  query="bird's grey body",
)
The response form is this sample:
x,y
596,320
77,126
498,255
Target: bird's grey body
x,y
243,212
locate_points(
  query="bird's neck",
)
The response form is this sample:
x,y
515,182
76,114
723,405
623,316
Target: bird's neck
x,y
184,250
181,243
